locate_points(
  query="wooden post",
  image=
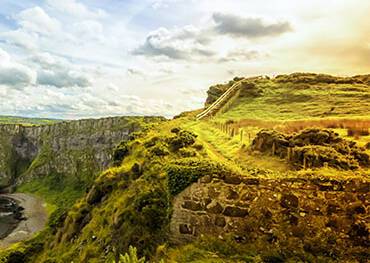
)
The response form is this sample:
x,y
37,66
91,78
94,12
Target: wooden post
x,y
273,148
241,135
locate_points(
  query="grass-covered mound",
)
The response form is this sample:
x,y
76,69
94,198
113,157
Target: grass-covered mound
x,y
297,96
312,148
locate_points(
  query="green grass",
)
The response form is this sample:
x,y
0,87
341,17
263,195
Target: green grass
x,y
26,121
292,101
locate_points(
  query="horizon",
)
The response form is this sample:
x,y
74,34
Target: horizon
x,y
81,59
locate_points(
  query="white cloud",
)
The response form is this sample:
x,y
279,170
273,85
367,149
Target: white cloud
x,y
20,38
36,20
180,43
13,74
75,8
59,72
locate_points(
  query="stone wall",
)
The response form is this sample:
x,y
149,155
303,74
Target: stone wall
x,y
317,216
75,148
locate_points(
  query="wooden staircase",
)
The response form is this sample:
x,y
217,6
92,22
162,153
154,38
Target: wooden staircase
x,y
221,101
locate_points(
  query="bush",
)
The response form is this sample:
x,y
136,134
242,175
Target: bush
x,y
182,139
317,156
143,221
120,152
312,148
130,257
160,150
183,173
186,153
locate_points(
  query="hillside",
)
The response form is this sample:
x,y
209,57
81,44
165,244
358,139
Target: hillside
x,y
280,173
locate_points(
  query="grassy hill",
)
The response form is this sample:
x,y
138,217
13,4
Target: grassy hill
x,y
293,97
26,121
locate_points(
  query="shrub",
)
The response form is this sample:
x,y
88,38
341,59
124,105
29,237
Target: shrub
x,y
57,218
185,152
160,150
143,221
130,257
120,152
312,148
182,139
175,130
317,156
183,173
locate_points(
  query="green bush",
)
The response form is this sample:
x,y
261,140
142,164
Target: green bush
x,y
143,222
160,150
120,152
182,139
130,257
181,174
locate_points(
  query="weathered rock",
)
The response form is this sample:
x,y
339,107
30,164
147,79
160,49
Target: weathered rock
x,y
251,181
191,205
289,201
185,229
234,211
231,194
206,179
214,207
220,221
232,179
356,208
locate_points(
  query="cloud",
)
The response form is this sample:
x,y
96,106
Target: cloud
x,y
60,79
180,43
241,55
20,38
193,43
58,72
76,9
36,20
248,27
13,74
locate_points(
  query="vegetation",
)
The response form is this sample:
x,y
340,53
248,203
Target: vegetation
x,y
26,121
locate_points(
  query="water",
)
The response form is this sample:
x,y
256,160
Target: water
x,y
10,215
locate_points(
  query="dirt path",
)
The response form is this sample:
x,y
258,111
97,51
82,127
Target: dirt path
x,y
36,218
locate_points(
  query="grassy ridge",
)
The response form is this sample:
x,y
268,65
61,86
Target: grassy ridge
x,y
26,121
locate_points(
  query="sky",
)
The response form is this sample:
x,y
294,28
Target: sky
x,y
79,59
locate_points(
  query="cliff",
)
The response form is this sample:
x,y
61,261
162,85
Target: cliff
x,y
78,149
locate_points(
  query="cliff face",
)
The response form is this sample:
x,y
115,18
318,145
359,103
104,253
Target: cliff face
x,y
77,148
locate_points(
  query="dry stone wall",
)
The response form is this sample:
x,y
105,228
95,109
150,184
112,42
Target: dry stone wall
x,y
313,215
